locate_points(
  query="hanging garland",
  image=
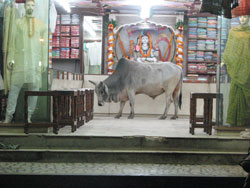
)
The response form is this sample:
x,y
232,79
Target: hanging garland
x,y
150,46
180,44
110,54
169,46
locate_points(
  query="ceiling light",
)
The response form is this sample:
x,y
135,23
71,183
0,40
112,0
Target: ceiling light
x,y
64,4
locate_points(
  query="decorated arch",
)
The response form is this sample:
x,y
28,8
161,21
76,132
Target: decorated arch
x,y
145,42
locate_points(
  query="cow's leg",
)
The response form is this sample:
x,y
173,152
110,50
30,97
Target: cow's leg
x,y
122,104
168,102
175,109
131,96
176,95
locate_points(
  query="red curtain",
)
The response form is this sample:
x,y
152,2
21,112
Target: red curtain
x,y
242,9
20,1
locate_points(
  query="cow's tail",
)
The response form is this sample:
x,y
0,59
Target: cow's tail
x,y
180,95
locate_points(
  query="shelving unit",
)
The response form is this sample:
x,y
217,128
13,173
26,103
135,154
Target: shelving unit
x,y
202,51
67,40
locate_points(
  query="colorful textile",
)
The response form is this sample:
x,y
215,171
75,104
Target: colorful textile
x,y
237,56
219,7
243,8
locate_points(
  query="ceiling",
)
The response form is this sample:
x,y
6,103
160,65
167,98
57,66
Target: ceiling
x,y
133,6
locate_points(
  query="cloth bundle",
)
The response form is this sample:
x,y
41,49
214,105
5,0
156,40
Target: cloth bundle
x,y
74,53
75,19
192,22
75,42
65,19
210,45
211,22
201,45
56,53
192,44
191,55
200,56
75,30
192,32
202,33
208,56
211,33
65,53
202,22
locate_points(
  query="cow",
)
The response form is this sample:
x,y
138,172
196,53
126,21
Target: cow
x,y
131,78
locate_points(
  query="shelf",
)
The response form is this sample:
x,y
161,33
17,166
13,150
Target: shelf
x,y
66,35
63,47
68,24
65,58
203,50
202,38
202,27
193,61
201,73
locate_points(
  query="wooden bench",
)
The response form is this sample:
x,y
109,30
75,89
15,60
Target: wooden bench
x,y
204,121
70,107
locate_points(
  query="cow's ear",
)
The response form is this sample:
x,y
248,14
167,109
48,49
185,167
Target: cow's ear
x,y
106,89
92,82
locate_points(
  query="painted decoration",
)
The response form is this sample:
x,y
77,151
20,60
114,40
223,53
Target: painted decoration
x,y
146,42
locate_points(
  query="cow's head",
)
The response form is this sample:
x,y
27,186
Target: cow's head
x,y
102,92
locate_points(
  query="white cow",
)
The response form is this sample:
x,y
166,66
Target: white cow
x,y
131,78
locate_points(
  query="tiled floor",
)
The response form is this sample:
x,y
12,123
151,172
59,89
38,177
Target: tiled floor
x,y
140,125
24,168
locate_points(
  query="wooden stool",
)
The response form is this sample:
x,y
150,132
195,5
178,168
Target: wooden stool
x,y
206,120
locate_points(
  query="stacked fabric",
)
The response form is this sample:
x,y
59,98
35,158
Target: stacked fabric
x,y
192,22
200,56
58,19
65,30
202,33
75,42
210,45
211,68
208,56
211,33
75,30
202,68
201,45
215,56
65,53
75,19
192,68
191,55
74,53
212,22
65,42
192,32
65,19
202,22
192,44
57,31
56,41
56,53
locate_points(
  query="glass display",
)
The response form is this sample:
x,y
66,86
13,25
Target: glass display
x,y
92,45
233,75
25,52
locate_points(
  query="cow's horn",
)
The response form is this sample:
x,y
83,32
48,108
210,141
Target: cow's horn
x,y
92,82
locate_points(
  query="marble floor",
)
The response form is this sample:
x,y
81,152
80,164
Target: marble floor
x,y
139,126
120,169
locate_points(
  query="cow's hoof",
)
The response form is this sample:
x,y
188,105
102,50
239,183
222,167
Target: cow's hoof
x,y
163,117
131,117
174,117
117,116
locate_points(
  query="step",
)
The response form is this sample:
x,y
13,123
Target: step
x,y
50,141
27,174
123,156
